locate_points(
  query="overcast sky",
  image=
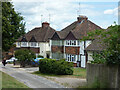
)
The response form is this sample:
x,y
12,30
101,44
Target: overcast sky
x,y
64,12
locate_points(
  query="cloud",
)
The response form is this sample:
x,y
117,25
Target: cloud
x,y
111,11
62,13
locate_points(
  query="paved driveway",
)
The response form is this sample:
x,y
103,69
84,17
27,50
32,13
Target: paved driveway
x,y
32,81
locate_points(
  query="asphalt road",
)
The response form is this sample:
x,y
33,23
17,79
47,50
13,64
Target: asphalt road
x,y
32,81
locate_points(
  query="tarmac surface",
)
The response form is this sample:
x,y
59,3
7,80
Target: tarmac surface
x,y
32,81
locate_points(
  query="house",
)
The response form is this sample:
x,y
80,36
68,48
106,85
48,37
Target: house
x,y
37,40
94,47
67,42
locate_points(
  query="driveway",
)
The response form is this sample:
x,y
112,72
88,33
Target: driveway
x,y
32,81
66,81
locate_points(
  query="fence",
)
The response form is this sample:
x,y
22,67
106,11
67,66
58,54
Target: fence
x,y
103,75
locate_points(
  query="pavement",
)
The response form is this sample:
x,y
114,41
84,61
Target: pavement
x,y
24,76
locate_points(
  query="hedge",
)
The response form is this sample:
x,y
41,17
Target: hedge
x,y
58,67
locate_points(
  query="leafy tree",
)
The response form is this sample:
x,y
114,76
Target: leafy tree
x,y
24,56
110,38
12,25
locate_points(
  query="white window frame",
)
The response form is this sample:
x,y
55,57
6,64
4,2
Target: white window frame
x,y
24,44
18,44
71,58
71,43
33,44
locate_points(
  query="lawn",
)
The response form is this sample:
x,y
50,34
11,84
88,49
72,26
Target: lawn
x,y
10,82
77,73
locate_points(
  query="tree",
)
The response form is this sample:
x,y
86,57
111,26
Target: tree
x,y
111,39
24,56
12,25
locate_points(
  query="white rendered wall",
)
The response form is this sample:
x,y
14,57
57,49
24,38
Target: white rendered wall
x,y
82,47
90,56
43,48
83,61
17,45
88,42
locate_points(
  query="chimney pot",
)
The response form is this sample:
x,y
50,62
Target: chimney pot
x,y
80,18
45,24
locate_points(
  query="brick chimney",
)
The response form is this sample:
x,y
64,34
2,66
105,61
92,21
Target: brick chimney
x,y
80,18
45,24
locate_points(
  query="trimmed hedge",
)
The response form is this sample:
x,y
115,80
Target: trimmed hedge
x,y
52,66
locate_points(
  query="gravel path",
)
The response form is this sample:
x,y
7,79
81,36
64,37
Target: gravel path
x,y
69,82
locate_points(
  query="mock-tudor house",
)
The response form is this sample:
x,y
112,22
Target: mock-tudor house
x,y
67,43
37,40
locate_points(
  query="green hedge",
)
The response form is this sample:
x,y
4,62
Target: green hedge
x,y
52,66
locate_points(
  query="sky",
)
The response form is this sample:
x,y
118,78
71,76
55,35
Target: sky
x,y
61,13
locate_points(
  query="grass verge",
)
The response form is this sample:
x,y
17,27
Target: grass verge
x,y
10,82
77,73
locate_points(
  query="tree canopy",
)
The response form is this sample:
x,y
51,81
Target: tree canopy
x,y
13,25
24,56
111,38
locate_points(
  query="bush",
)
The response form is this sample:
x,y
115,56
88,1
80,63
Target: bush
x,y
40,56
51,66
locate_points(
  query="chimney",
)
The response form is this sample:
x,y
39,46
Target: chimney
x,y
80,18
45,24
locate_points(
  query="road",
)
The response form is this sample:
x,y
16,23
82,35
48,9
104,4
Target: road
x,y
32,81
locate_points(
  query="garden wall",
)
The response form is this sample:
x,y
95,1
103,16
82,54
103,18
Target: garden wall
x,y
103,75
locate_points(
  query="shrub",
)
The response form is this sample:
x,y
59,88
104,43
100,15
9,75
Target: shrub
x,y
40,56
51,66
24,56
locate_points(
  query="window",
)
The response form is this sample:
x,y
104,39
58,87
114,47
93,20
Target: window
x,y
33,44
24,43
71,42
70,58
18,43
57,42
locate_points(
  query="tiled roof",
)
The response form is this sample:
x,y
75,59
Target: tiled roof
x,y
96,45
78,29
41,34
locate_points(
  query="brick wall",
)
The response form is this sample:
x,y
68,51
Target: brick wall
x,y
36,50
57,49
72,50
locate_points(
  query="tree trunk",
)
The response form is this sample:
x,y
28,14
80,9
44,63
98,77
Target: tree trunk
x,y
22,63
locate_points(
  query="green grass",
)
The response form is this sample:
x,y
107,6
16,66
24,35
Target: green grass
x,y
10,82
77,73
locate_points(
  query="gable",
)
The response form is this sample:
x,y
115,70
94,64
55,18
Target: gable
x,y
55,37
23,39
70,36
33,39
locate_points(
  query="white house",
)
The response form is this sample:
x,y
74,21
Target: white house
x,y
37,40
